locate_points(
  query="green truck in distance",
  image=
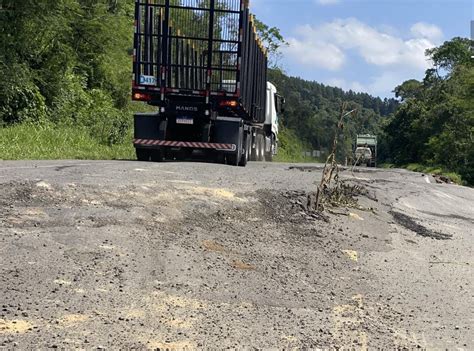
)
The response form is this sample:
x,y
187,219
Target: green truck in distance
x,y
366,150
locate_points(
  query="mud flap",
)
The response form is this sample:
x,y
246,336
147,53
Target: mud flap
x,y
228,131
149,126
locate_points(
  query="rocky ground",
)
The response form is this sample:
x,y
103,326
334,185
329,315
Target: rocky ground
x,y
102,255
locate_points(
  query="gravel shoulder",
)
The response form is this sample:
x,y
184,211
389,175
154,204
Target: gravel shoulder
x,y
193,255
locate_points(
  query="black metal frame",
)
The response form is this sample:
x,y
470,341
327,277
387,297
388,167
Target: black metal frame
x,y
203,48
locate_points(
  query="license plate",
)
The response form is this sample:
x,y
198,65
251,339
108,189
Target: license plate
x,y
185,120
147,80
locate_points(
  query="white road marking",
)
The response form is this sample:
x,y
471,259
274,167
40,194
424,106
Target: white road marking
x,y
427,179
441,194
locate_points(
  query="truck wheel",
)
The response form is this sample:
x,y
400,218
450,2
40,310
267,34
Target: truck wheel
x,y
143,155
234,158
269,155
258,149
219,157
261,148
249,147
253,151
157,155
182,155
245,154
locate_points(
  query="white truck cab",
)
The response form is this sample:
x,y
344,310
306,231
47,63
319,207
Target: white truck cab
x,y
274,107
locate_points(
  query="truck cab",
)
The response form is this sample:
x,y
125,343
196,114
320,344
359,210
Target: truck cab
x,y
274,107
363,155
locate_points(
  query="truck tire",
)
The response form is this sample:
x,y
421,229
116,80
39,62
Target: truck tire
x,y
219,157
260,148
182,155
269,155
246,152
235,158
143,155
253,150
157,155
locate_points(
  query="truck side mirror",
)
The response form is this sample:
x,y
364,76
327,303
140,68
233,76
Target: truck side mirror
x,y
279,103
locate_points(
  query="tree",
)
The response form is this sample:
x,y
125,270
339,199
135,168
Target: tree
x,y
435,125
451,54
408,90
272,39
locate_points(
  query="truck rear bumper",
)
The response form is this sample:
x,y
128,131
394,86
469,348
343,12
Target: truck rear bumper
x,y
151,144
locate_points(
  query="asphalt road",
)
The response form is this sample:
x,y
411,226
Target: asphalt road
x,y
190,255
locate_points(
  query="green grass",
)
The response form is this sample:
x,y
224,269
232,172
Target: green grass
x,y
387,165
437,170
291,148
48,141
52,142
285,157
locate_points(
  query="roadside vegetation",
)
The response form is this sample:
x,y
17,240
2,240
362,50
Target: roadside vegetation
x,y
437,171
312,111
291,148
429,127
65,93
65,68
434,126
48,141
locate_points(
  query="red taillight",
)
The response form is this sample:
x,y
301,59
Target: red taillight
x,y
141,97
228,103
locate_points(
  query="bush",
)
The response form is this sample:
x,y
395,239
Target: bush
x,y
290,148
20,98
93,109
107,124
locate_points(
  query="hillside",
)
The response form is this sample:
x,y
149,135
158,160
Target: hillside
x,y
312,111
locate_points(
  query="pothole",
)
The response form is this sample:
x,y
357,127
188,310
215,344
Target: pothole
x,y
410,224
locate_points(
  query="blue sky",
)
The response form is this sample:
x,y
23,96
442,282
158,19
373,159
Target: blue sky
x,y
363,45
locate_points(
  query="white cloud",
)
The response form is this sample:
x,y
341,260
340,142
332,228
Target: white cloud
x,y
385,83
327,2
346,85
318,54
378,85
325,46
427,31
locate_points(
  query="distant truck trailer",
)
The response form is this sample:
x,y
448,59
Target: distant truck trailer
x,y
366,150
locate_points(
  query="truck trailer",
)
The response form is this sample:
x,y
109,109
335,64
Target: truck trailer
x,y
201,63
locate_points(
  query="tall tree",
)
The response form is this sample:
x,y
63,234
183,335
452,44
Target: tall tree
x,y
435,124
272,39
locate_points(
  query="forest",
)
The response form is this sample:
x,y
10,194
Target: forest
x,y
434,125
312,111
65,93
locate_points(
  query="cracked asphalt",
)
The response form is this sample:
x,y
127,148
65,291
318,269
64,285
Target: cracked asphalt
x,y
107,255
